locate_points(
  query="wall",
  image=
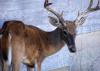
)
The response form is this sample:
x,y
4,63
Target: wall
x,y
87,57
32,12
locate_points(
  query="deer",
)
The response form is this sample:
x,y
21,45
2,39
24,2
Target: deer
x,y
16,34
8,29
31,45
1,59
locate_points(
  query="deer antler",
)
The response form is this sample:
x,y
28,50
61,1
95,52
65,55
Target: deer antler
x,y
82,16
59,16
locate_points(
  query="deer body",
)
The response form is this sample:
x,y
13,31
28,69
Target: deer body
x,y
30,45
36,40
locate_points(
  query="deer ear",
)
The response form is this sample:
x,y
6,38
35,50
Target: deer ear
x,y
54,21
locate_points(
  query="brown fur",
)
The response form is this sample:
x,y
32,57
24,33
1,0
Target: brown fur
x,y
30,45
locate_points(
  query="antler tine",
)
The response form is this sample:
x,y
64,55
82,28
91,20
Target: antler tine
x,y
46,3
98,3
90,5
83,14
90,9
59,16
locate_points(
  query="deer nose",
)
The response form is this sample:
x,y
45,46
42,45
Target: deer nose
x,y
72,48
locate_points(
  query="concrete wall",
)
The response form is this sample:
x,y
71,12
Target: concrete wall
x,y
32,12
87,57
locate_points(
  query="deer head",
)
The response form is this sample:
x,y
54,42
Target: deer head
x,y
69,27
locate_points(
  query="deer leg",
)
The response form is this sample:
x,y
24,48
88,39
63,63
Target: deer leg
x,y
1,65
16,63
5,66
16,66
39,66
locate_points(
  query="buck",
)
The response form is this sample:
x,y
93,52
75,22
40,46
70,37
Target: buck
x,y
30,45
1,62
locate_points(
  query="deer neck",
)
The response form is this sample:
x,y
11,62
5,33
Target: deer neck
x,y
55,41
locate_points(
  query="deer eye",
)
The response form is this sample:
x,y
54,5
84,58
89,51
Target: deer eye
x,y
65,33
